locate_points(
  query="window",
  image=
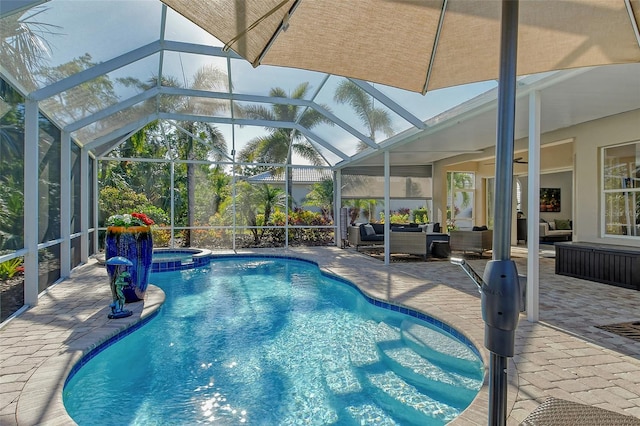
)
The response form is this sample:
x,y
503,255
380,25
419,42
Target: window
x,y
621,189
460,200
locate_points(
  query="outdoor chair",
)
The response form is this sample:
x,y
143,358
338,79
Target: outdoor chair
x,y
471,241
559,412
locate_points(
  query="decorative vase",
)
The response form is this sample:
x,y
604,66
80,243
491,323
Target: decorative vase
x,y
136,244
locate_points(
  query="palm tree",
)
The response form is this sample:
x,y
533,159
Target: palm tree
x,y
151,141
321,196
360,205
210,78
375,119
252,199
270,197
279,145
23,44
220,185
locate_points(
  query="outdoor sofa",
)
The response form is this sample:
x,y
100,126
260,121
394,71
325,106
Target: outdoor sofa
x,y
477,241
557,230
410,239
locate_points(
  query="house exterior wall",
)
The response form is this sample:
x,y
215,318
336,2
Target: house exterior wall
x,y
561,180
582,156
589,138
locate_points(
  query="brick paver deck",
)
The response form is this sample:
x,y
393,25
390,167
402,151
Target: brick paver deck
x,y
563,356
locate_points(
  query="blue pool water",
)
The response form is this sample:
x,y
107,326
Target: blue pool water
x,y
267,341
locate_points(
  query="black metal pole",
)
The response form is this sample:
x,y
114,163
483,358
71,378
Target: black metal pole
x,y
497,336
505,130
497,389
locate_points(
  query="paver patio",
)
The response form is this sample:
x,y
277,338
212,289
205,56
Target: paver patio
x,y
563,356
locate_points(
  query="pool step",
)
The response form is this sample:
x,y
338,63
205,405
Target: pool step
x,y
369,414
362,348
340,379
421,409
419,371
443,350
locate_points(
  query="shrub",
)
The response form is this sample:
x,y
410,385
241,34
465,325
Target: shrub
x,y
161,237
10,268
396,218
421,215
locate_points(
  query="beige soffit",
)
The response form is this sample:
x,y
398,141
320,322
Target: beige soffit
x,y
392,41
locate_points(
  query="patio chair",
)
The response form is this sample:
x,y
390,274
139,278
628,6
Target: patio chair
x,y
560,412
471,241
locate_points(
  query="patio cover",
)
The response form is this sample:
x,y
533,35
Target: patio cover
x,y
419,45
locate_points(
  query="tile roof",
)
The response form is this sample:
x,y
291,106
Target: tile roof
x,y
300,175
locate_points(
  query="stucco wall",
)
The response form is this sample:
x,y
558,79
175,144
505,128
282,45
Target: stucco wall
x,y
561,180
589,138
582,155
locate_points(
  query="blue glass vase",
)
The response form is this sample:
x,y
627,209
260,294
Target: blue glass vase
x,y
136,244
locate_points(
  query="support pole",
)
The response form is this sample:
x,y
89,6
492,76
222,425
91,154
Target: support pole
x,y
533,211
31,175
387,210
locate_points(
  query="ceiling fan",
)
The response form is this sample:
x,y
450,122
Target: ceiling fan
x,y
517,160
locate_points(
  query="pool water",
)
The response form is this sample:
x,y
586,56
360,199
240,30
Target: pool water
x,y
274,342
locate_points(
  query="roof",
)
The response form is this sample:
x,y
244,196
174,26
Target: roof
x,y
299,176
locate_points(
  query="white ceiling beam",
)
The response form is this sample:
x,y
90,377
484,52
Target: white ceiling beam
x,y
199,139
199,49
317,139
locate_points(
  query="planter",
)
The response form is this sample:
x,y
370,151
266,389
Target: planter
x,y
136,244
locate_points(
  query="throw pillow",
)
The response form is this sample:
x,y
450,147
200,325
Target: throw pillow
x,y
552,226
562,224
369,229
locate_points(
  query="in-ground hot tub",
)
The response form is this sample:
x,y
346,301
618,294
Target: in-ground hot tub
x,y
175,259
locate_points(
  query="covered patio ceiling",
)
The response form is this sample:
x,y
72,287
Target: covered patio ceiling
x,y
150,56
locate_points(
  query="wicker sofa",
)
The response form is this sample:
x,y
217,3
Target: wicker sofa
x,y
403,239
477,241
358,237
549,231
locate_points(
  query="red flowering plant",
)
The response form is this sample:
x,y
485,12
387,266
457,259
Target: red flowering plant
x,y
126,220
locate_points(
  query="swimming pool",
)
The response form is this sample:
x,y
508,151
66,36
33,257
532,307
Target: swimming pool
x,y
275,341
